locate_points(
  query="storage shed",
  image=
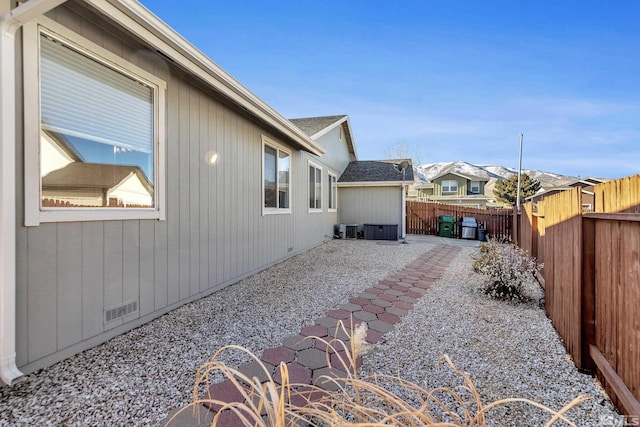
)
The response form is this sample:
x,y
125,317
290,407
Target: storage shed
x,y
372,193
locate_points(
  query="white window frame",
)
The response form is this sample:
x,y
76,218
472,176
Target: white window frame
x,y
448,186
266,141
34,212
333,185
471,187
316,166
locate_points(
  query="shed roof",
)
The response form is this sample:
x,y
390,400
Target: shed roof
x,y
376,171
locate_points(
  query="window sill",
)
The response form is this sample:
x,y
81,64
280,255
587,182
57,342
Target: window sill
x,y
84,215
267,211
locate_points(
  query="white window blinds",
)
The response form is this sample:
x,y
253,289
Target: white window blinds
x,y
84,98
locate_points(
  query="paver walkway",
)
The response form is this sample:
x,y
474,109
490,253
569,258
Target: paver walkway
x,y
380,306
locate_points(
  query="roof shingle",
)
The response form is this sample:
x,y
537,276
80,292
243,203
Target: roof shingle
x,y
376,171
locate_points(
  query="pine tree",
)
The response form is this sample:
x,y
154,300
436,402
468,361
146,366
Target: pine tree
x,y
505,189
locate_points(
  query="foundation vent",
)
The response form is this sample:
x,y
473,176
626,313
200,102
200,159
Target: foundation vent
x,y
120,311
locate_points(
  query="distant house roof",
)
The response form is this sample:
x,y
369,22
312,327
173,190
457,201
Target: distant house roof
x,y
461,175
586,182
92,175
376,171
61,144
315,127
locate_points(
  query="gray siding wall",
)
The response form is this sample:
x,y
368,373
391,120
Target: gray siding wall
x,y
337,153
370,205
214,234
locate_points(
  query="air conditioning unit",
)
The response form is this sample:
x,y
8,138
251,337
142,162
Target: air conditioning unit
x,y
352,231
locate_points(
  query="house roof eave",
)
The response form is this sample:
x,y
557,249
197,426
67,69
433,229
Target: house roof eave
x,y
138,20
373,184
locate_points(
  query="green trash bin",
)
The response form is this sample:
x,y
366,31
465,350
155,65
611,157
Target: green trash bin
x,y
445,225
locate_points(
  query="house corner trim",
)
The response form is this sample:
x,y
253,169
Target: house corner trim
x,y
10,23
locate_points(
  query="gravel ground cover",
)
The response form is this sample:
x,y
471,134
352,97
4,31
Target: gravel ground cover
x,y
139,377
509,350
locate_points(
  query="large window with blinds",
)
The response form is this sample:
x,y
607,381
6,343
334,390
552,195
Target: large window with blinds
x,y
99,129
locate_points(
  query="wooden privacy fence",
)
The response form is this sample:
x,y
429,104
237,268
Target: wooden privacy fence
x,y
423,218
591,277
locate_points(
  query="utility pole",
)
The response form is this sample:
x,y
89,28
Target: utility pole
x,y
519,175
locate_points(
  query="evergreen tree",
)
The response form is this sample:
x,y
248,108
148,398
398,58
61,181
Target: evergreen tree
x,y
505,189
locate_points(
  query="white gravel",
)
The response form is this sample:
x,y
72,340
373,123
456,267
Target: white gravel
x,y
509,350
139,377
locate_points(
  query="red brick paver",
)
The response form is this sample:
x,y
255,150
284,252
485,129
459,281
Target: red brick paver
x,y
380,306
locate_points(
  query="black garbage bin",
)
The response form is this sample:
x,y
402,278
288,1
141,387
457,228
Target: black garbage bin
x,y
482,234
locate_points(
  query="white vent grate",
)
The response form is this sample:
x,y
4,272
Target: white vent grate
x,y
120,311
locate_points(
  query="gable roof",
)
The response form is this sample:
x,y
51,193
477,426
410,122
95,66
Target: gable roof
x,y
315,127
461,175
376,171
92,175
586,182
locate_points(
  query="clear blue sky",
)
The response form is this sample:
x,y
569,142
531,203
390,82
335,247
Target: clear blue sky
x,y
452,80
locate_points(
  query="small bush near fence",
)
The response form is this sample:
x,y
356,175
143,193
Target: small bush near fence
x,y
506,268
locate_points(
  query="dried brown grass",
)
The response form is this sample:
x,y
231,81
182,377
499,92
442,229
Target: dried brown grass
x,y
376,400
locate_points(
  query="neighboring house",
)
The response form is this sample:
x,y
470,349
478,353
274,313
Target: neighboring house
x,y
67,180
421,191
588,195
454,188
209,184
97,185
374,192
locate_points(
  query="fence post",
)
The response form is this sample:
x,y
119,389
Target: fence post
x,y
515,229
588,293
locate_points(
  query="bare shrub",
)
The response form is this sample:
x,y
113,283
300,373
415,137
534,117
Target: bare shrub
x,y
506,268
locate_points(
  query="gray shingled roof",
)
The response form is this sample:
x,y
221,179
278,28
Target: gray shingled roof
x,y
92,175
462,175
313,125
375,171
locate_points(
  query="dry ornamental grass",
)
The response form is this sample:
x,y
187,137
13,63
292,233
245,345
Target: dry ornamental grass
x,y
375,400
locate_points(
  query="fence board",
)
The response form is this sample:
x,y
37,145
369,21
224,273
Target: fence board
x,y
618,196
592,278
563,266
423,218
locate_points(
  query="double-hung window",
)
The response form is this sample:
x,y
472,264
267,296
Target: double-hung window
x,y
315,188
333,192
475,187
276,172
98,131
449,186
